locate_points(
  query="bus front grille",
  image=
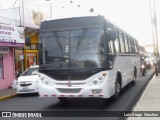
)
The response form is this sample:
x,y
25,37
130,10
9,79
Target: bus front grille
x,y
81,84
64,90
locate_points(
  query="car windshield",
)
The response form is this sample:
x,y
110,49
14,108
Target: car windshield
x,y
81,48
30,71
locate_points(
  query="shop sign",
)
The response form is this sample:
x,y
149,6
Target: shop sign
x,y
11,34
4,50
34,15
21,56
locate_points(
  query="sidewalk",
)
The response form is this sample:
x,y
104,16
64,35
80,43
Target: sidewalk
x,y
149,101
7,93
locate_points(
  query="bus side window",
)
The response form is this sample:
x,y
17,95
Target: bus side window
x,y
116,43
121,43
111,47
136,47
111,52
126,43
102,46
110,43
130,47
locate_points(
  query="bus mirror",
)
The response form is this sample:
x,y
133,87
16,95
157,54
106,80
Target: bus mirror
x,y
113,35
27,41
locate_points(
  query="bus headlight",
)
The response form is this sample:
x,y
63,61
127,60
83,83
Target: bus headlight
x,y
98,80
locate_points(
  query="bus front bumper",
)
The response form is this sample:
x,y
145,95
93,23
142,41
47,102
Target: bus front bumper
x,y
98,91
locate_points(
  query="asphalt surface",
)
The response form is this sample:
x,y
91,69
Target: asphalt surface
x,y
127,100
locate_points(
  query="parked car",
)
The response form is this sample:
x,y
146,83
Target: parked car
x,y
28,81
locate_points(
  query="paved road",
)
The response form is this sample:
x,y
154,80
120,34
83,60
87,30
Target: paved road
x,y
126,102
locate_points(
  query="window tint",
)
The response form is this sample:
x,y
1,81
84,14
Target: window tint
x,y
121,42
136,47
126,43
129,44
116,43
111,47
132,46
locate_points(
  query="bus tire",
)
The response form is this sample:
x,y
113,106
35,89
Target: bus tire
x,y
63,99
117,90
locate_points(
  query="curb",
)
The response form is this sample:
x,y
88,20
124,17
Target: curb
x,y
143,89
134,102
7,97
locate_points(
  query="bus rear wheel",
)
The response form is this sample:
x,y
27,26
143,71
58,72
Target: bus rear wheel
x,y
134,77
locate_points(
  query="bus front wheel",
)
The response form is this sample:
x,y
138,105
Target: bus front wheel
x,y
117,90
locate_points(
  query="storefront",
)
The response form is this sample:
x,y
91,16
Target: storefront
x,y
19,59
31,52
11,37
27,55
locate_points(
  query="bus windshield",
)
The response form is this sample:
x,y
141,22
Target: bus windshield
x,y
77,49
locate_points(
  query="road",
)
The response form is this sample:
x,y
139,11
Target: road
x,y
126,102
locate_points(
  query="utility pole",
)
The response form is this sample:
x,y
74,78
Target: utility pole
x,y
50,3
155,24
152,28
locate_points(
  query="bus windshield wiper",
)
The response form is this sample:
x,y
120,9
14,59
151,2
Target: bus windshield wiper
x,y
57,39
81,38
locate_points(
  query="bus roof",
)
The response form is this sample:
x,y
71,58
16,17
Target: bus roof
x,y
74,22
77,22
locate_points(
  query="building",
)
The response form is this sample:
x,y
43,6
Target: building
x,y
15,55
28,16
27,55
11,37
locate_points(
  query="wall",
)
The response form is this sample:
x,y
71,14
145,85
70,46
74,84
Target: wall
x,y
9,70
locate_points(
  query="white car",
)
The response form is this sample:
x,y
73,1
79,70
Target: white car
x,y
28,81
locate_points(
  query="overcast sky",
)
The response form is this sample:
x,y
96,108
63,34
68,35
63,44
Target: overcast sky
x,y
133,16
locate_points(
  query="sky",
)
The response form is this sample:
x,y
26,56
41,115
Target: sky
x,y
133,16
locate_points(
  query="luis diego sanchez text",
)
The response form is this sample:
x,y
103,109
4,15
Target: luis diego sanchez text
x,y
142,114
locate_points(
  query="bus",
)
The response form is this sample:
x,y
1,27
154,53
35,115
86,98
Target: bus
x,y
83,57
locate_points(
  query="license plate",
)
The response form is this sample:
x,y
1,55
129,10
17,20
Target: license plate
x,y
25,88
96,91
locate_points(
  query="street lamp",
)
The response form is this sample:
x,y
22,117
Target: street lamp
x,y
50,8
